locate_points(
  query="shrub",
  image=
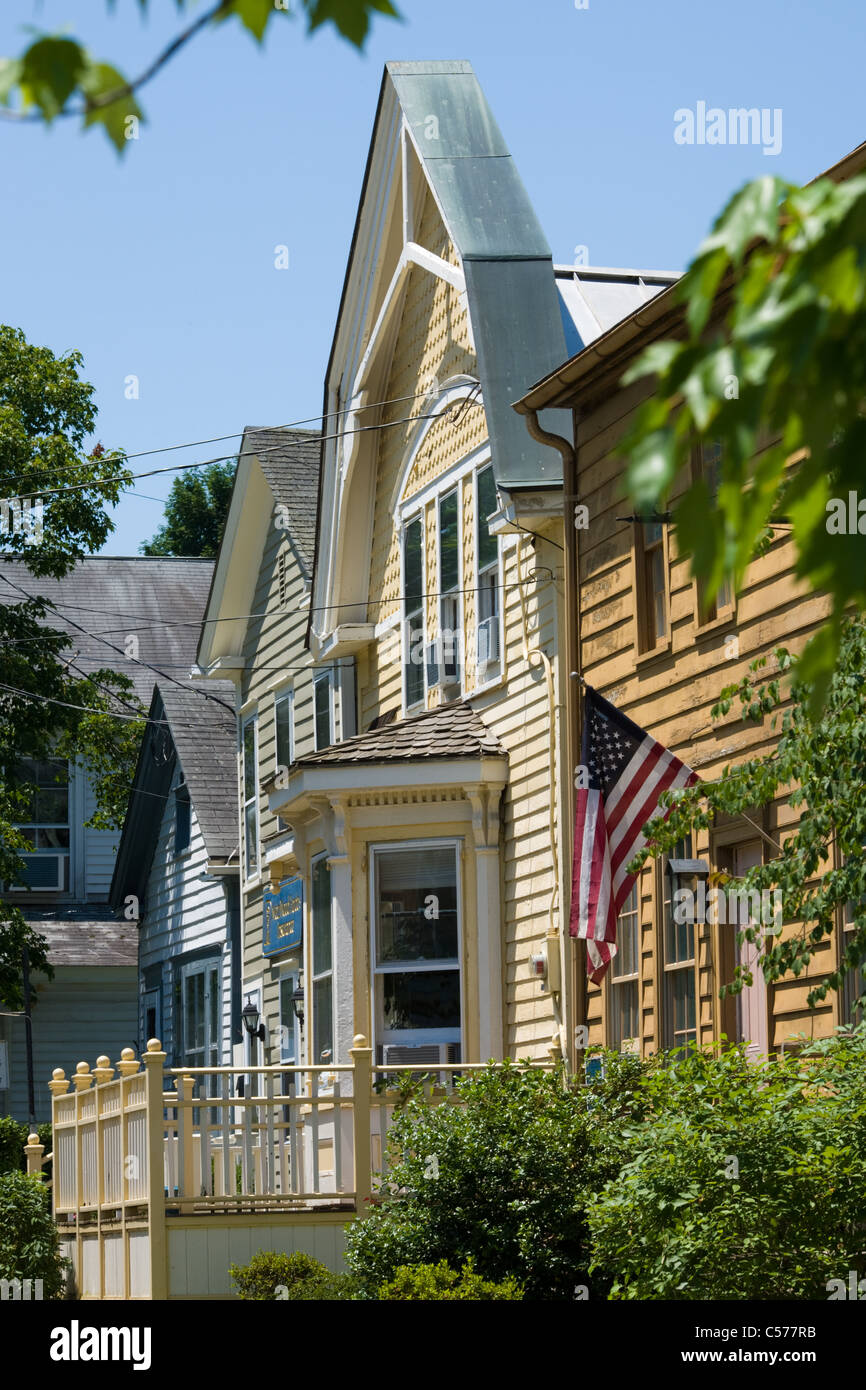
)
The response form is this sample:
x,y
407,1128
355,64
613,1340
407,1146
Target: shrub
x,y
745,1181
515,1166
29,1246
439,1281
274,1275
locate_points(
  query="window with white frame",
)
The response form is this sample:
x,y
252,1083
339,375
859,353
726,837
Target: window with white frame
x,y
624,983
413,612
322,963
284,732
250,783
416,952
450,627
47,827
679,960
323,709
487,559
200,1014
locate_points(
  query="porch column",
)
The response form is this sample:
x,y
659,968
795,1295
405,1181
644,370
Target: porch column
x,y
488,916
340,865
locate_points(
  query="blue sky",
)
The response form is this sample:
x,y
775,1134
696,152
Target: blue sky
x,y
161,265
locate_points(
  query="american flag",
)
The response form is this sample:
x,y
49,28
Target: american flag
x,y
627,771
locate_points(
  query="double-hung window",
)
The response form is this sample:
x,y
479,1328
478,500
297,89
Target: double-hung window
x,y
323,709
487,552
679,959
624,982
46,863
250,782
709,467
449,589
323,964
652,580
284,734
413,611
416,951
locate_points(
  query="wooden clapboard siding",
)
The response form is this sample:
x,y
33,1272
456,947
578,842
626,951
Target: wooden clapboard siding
x,y
275,657
182,913
100,848
670,693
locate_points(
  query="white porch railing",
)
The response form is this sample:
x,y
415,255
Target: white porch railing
x,y
134,1150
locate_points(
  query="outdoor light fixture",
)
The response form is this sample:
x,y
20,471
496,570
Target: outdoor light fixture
x,y
250,1016
298,1000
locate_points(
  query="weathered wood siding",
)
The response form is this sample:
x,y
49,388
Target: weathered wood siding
x,y
670,692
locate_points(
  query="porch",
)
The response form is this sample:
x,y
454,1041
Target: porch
x,y
163,1177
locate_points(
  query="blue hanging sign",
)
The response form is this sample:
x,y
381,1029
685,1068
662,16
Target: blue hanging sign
x,y
282,917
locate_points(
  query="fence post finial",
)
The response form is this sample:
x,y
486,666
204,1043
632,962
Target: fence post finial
x,y
103,1071
128,1064
58,1085
34,1151
82,1078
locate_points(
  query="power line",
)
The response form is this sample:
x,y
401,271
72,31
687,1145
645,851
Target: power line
x,y
238,434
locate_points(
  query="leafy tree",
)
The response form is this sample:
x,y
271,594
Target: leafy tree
x,y
503,1179
429,1282
779,380
195,512
53,512
819,768
57,76
741,1181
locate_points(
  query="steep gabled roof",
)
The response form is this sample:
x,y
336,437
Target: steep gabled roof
x,y
201,734
450,731
158,599
290,461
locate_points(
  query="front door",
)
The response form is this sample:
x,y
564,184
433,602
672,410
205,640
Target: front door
x,y
752,1025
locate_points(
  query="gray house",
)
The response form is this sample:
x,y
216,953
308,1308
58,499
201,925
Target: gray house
x,y
137,615
177,867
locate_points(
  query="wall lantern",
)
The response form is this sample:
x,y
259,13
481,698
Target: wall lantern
x,y
250,1017
298,1000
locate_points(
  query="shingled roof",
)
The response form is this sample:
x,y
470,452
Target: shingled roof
x,y
83,938
451,731
205,736
290,462
158,599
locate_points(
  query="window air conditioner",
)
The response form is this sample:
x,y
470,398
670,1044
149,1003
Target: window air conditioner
x,y
426,1055
487,644
44,872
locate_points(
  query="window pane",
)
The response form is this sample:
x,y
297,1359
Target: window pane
x,y
624,1011
322,688
321,917
450,638
488,546
416,905
682,998
213,1016
424,999
626,958
657,590
249,760
283,730
488,595
323,1021
414,659
413,568
251,839
449,542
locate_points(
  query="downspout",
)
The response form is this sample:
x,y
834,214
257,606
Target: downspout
x,y
573,688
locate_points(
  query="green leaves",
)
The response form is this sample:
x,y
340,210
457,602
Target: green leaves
x,y
776,374
54,70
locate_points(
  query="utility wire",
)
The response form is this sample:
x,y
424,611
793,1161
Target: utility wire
x,y
255,429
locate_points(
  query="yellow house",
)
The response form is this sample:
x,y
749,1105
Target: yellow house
x,y
640,636
429,841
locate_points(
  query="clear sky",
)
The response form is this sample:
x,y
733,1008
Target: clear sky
x,y
161,265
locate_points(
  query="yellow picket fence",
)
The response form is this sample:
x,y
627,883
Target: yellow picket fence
x,y
156,1191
